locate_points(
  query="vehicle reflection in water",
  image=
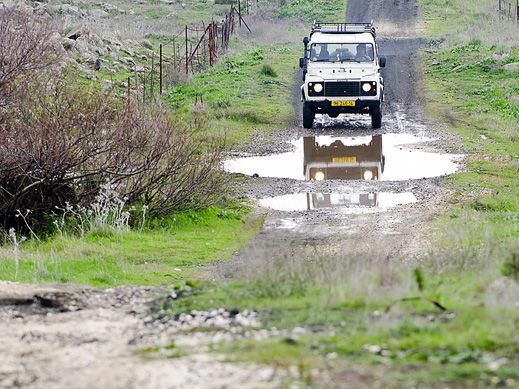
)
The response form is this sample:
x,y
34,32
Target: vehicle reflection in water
x,y
347,202
330,200
388,157
338,161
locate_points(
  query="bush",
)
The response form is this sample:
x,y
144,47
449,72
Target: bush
x,y
511,267
269,71
61,142
26,46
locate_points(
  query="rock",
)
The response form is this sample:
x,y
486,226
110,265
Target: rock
x,y
503,292
435,62
110,8
68,44
75,34
130,61
499,56
514,99
511,66
70,10
98,13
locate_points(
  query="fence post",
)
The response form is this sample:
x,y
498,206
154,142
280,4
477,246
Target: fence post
x,y
152,83
211,45
174,54
187,55
129,88
239,11
160,69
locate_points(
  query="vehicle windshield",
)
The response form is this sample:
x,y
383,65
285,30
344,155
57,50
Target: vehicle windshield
x,y
339,52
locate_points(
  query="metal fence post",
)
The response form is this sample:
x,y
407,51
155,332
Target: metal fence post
x,y
187,55
160,69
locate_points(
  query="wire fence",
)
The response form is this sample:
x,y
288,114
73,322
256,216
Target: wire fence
x,y
194,50
509,9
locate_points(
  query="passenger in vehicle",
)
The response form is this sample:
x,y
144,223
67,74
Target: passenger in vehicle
x,y
324,55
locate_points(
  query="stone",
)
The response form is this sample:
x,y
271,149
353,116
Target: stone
x,y
511,66
499,56
68,44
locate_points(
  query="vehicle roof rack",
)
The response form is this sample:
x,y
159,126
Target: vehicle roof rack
x,y
344,28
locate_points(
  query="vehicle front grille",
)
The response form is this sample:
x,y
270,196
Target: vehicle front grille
x,y
342,88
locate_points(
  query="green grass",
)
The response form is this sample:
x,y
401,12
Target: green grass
x,y
171,251
454,347
239,99
310,10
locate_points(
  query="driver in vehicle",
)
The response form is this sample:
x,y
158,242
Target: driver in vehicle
x,y
362,54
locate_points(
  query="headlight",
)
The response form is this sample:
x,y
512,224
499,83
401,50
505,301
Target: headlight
x,y
319,176
366,86
318,88
368,175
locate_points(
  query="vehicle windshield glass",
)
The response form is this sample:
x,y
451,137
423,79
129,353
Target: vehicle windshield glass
x,y
339,52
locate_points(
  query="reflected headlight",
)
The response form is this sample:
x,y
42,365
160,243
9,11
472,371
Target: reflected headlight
x,y
368,175
319,176
318,87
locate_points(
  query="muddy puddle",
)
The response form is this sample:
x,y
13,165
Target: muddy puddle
x,y
346,202
388,157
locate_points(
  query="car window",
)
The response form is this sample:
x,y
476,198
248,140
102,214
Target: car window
x,y
339,52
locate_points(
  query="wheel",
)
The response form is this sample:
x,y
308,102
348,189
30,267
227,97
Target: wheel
x,y
333,115
308,116
376,116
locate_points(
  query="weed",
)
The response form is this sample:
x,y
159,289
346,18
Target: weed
x,y
511,267
268,71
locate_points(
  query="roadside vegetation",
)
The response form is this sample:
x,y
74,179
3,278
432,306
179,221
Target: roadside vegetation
x,y
98,189
473,85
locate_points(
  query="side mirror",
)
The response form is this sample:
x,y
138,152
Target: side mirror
x,y
306,40
301,63
382,62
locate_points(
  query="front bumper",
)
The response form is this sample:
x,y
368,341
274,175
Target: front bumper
x,y
325,106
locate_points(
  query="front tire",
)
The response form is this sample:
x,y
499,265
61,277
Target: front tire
x,y
376,116
308,116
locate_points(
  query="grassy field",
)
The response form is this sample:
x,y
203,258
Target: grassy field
x,y
169,250
244,94
471,91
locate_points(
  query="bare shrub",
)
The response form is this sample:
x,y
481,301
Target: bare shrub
x,y
26,46
63,142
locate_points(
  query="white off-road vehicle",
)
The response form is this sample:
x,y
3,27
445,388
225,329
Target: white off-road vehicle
x,y
341,72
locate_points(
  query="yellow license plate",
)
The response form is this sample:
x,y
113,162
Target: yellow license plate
x,y
348,103
344,159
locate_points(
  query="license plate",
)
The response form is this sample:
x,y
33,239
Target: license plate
x,y
347,103
344,159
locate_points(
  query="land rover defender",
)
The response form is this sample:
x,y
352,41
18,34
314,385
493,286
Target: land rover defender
x,y
341,72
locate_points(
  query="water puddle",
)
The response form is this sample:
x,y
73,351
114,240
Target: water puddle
x,y
386,157
348,202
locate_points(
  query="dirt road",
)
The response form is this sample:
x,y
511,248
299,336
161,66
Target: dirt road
x,y
72,337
